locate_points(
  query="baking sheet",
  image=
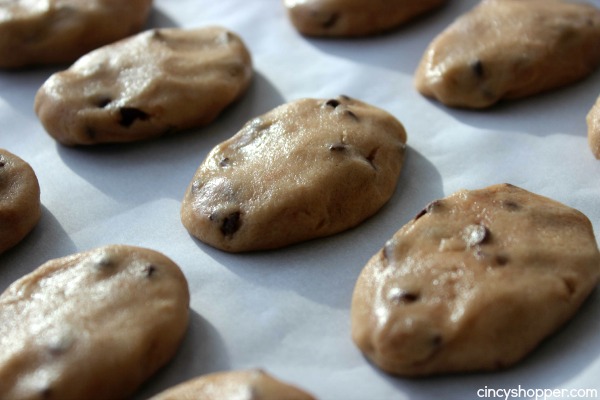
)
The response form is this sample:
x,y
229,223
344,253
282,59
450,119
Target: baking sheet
x,y
287,311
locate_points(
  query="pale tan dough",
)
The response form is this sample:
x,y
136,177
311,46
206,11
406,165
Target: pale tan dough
x,y
349,18
507,49
36,32
593,123
20,208
155,83
92,325
238,385
306,169
475,282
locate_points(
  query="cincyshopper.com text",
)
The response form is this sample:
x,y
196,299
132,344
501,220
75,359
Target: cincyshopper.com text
x,y
537,394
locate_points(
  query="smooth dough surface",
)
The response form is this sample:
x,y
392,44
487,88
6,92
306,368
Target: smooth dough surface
x,y
36,32
593,123
93,325
347,18
152,84
475,282
239,385
306,169
507,49
20,208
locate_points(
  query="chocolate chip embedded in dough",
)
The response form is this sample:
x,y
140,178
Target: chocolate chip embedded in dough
x,y
332,103
131,114
103,102
331,21
351,115
46,393
371,157
477,68
502,260
400,296
337,147
434,205
231,223
511,205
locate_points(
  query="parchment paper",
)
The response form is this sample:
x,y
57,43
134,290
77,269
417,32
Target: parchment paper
x,y
287,311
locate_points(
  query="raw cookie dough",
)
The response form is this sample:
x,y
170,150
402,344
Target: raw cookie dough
x,y
507,49
306,169
243,385
20,208
36,32
347,18
593,122
93,325
475,282
155,83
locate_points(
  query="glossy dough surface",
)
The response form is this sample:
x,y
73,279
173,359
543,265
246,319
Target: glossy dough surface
x,y
593,123
155,83
239,385
60,31
20,208
306,169
354,17
475,282
93,325
507,49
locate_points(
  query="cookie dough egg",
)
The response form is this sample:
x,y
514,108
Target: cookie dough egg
x,y
475,282
306,169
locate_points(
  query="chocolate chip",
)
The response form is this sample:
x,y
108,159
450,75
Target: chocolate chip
x,y
331,21
103,102
420,214
428,208
332,103
90,132
477,68
149,270
404,297
130,114
224,162
501,260
46,393
337,147
570,285
436,340
231,224
351,114
511,205
2,163
371,157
